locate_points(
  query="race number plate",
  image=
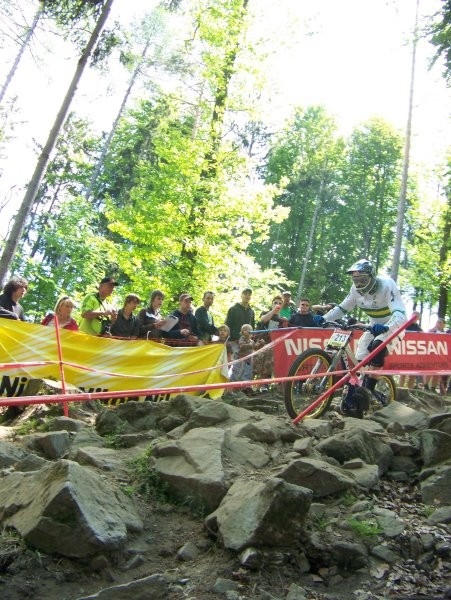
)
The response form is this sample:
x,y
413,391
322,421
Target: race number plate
x,y
339,339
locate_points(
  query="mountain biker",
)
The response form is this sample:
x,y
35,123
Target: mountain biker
x,y
380,299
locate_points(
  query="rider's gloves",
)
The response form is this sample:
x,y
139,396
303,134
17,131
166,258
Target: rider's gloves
x,y
319,320
377,329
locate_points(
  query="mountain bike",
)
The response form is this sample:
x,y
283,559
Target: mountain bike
x,y
321,365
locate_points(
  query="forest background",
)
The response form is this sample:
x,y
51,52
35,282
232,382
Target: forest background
x,y
201,176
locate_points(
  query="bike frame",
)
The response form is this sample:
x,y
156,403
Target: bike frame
x,y
343,354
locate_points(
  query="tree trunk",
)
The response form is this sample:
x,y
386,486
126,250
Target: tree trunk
x,y
405,169
33,186
443,259
107,143
16,62
203,194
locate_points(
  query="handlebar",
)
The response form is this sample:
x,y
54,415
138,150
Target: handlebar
x,y
357,327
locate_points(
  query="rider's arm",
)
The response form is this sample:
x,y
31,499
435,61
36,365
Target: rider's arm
x,y
338,311
396,305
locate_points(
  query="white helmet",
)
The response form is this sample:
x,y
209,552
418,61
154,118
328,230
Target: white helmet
x,y
363,276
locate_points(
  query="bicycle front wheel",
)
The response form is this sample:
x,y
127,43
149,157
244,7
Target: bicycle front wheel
x,y
300,394
385,385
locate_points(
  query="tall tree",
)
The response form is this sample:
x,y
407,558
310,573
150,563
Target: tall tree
x,y
24,43
33,186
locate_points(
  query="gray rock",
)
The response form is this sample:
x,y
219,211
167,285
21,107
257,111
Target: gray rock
x,y
317,475
389,521
32,462
192,466
260,514
188,551
435,446
241,451
296,592
66,424
303,446
404,464
442,422
384,553
155,587
409,418
317,427
349,556
52,445
435,489
64,508
357,443
223,585
10,454
441,515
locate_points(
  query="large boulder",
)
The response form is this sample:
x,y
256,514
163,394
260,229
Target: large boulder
x,y
254,513
317,475
357,443
403,415
67,509
192,466
435,446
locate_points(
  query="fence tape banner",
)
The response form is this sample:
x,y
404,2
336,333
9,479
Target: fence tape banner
x,y
95,364
416,351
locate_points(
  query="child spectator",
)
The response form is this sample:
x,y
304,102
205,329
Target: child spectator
x,y
223,335
243,370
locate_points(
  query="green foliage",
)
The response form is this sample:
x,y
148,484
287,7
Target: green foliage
x,y
439,34
146,481
348,499
365,528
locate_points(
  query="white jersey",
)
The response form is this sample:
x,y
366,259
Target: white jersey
x,y
384,306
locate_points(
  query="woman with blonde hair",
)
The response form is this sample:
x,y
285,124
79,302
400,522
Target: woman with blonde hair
x,y
63,311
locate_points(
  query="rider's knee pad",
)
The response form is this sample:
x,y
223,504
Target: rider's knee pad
x,y
378,360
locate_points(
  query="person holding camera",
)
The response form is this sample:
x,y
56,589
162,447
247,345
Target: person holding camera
x,y
97,314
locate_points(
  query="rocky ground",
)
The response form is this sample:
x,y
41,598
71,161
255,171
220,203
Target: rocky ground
x,y
374,525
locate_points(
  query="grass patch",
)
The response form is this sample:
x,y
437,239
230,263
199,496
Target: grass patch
x,y
365,528
32,425
348,499
146,481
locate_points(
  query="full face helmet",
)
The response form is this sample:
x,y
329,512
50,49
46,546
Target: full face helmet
x,y
363,276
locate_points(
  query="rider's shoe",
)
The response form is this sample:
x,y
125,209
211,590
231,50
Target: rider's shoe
x,y
380,397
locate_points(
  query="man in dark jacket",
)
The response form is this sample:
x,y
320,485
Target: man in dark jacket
x,y
13,291
238,315
186,331
303,317
204,318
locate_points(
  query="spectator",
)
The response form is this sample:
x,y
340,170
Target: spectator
x,y
150,319
126,324
185,331
223,338
287,309
238,315
303,317
63,312
13,291
430,383
243,370
97,314
204,319
264,361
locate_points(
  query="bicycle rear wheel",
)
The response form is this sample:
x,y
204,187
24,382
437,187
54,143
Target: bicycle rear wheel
x,y
300,394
